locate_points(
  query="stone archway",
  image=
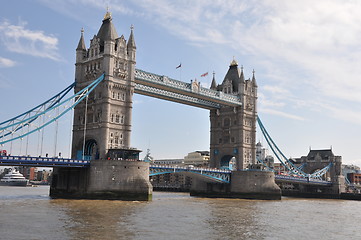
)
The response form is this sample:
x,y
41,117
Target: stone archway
x,y
228,162
91,150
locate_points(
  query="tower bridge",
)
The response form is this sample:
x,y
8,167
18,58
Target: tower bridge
x,y
105,81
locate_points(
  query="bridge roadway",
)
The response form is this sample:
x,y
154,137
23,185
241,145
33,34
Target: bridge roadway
x,y
219,175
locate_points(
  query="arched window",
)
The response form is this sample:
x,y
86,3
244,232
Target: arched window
x,y
227,122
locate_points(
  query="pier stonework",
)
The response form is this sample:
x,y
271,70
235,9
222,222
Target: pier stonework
x,y
102,123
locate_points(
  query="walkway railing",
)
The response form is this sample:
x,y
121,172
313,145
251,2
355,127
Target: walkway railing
x,y
42,161
219,175
189,93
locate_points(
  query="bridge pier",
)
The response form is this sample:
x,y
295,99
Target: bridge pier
x,y
104,179
244,184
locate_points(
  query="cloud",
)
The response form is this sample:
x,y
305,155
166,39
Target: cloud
x,y
16,38
304,49
282,114
4,62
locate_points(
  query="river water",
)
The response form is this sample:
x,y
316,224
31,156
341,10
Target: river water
x,y
29,213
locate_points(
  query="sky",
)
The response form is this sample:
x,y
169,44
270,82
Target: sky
x,y
306,55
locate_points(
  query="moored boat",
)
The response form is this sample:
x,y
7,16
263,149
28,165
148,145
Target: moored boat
x,y
14,178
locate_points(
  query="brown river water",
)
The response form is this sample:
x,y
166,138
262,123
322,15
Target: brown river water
x,y
29,213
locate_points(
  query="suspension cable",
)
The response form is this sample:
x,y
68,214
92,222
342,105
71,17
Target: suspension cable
x,y
85,122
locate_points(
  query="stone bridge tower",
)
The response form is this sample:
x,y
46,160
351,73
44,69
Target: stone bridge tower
x,y
106,121
233,129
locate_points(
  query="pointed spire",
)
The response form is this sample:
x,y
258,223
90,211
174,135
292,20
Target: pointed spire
x,y
107,15
234,62
254,79
214,84
131,42
242,75
81,44
107,30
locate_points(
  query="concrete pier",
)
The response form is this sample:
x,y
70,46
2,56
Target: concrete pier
x,y
244,184
104,179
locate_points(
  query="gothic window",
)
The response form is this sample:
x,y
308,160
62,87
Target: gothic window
x,y
117,118
121,136
113,94
116,140
123,96
112,118
122,120
111,135
227,122
118,95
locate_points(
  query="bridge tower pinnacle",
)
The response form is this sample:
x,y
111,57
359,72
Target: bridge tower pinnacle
x,y
107,126
233,129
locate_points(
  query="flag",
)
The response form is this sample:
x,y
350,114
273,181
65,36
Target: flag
x,y
204,74
180,65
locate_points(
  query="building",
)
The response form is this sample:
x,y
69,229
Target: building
x,y
354,178
197,158
261,155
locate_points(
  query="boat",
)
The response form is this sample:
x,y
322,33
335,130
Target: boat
x,y
14,178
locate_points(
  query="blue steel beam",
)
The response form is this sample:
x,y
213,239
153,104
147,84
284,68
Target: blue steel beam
x,y
225,175
14,126
285,161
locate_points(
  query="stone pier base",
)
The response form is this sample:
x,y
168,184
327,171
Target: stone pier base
x,y
104,179
244,184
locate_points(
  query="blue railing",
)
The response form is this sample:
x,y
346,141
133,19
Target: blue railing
x,y
42,161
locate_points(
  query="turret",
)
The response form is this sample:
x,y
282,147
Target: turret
x,y
214,84
254,79
81,49
131,45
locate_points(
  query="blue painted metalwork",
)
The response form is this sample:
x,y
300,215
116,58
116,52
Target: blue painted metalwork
x,y
42,162
188,93
219,175
293,170
224,176
13,125
309,181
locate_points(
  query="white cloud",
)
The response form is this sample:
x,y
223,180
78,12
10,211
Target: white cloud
x,y
5,62
307,49
282,114
16,38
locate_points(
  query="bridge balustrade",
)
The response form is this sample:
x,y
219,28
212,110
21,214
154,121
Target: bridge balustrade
x,y
42,161
186,87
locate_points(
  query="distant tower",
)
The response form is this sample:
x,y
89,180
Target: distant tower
x,y
107,122
233,129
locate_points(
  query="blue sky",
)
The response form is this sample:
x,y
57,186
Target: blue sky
x,y
306,55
